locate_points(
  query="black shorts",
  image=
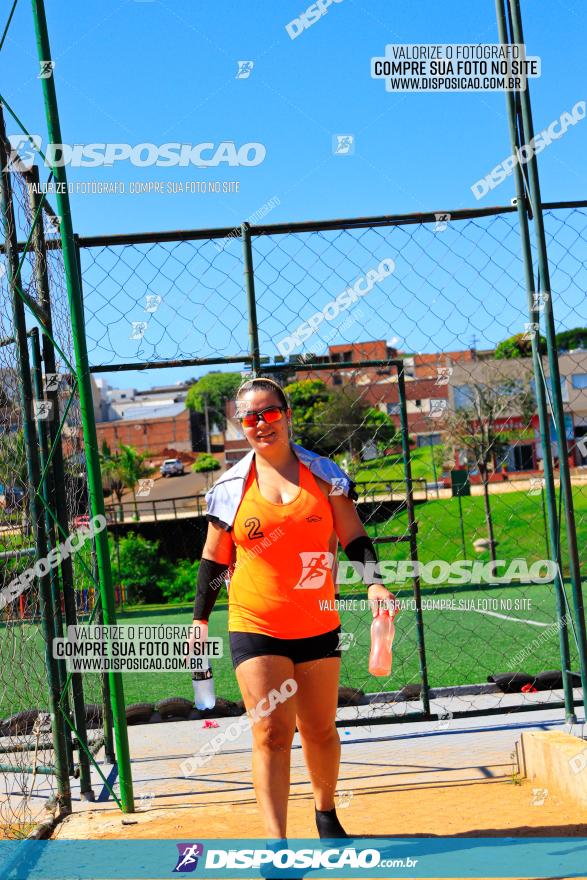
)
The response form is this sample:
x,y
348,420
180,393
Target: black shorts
x,y
244,645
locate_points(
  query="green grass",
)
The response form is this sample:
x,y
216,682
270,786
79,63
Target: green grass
x,y
461,646
390,467
518,523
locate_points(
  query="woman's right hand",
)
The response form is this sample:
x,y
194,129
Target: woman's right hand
x,y
381,598
199,633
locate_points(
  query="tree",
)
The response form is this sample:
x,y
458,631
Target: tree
x,y
308,398
474,427
329,420
132,468
142,568
518,346
111,470
382,430
569,339
13,468
214,390
205,464
180,586
14,475
346,421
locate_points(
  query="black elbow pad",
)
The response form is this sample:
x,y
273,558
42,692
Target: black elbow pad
x,y
210,580
362,550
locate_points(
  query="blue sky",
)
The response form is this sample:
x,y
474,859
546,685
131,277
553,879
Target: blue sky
x,y
164,71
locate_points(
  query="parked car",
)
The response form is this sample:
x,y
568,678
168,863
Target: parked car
x,y
11,498
82,521
172,467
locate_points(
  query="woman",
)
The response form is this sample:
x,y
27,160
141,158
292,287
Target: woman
x,y
284,509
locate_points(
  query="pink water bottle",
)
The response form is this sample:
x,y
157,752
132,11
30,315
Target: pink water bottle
x,y
382,633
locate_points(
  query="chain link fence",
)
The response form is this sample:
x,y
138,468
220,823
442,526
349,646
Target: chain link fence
x,y
335,311
40,753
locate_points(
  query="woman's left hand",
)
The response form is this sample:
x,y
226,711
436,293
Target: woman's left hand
x,y
377,593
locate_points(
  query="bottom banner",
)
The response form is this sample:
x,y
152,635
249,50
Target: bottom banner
x,y
384,858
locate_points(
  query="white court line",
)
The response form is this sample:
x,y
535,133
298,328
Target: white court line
x,y
505,616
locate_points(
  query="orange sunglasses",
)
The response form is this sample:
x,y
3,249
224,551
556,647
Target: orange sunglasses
x,y
269,414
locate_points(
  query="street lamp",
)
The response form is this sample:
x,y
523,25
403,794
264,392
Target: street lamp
x,y
207,420
430,444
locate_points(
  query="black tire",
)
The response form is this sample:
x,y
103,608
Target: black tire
x,y
218,711
174,707
139,713
552,679
93,715
348,696
510,682
21,723
410,692
226,708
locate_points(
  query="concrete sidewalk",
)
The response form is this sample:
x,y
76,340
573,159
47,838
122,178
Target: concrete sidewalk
x,y
395,779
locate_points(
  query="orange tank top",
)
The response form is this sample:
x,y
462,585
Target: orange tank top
x,y
282,583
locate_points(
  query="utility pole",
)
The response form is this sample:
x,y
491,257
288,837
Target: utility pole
x,y
207,424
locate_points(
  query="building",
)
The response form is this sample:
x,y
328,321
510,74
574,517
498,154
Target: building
x,y
373,350
573,371
236,444
154,420
436,384
523,434
425,403
426,377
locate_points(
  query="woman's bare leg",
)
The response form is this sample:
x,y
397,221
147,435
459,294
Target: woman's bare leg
x,y
272,736
317,699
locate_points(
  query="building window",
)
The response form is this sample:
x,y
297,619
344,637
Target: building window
x,y
393,409
463,396
336,379
428,439
564,388
520,458
579,380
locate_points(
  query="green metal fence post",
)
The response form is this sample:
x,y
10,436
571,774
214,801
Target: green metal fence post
x,y
545,520
52,539
413,528
107,720
85,396
549,486
249,273
58,475
550,333
33,468
462,522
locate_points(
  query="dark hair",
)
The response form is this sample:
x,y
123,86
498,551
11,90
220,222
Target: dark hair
x,y
263,384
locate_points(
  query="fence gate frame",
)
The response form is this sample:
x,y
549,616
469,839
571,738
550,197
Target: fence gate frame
x,y
529,208
257,364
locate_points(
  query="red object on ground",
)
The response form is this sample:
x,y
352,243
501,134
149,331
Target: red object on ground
x,y
529,689
209,723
